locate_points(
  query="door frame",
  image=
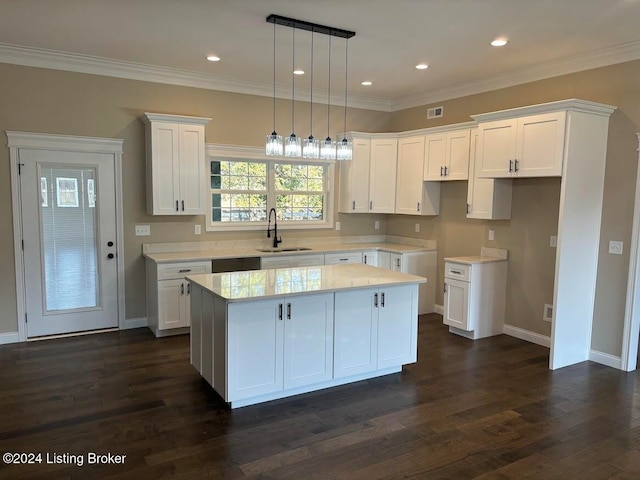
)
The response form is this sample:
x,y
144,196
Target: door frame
x,y
68,143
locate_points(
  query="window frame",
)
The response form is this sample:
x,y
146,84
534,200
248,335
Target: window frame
x,y
215,152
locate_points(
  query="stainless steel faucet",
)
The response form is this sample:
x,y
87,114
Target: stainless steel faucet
x,y
276,240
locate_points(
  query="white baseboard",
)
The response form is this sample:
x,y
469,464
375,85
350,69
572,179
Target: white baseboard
x,y
527,335
605,359
130,323
9,337
438,309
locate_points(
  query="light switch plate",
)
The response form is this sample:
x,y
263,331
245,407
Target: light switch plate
x,y
615,247
377,225
198,229
143,230
337,225
417,227
553,241
492,234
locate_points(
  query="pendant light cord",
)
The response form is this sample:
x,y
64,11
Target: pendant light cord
x,y
311,107
346,78
329,91
274,77
293,83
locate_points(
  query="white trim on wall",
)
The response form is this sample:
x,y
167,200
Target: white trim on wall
x,y
17,141
9,337
438,309
527,335
130,323
605,359
631,332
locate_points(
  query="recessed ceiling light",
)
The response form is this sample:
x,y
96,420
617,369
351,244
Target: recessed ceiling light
x,y
422,66
366,83
213,58
499,42
298,72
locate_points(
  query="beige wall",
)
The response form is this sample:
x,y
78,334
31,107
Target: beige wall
x,y
49,101
535,201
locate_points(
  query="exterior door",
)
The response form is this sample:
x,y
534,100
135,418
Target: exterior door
x,y
69,234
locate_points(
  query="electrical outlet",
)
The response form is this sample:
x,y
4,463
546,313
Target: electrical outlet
x,y
198,229
337,225
143,230
553,241
377,224
547,316
492,234
417,227
615,247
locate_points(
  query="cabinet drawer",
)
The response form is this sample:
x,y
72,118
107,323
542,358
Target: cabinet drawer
x,y
337,258
457,271
181,270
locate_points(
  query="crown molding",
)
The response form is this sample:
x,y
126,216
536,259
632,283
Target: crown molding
x,y
67,143
573,104
625,52
73,62
57,60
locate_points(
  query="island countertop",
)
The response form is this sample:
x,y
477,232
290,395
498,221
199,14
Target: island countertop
x,y
259,284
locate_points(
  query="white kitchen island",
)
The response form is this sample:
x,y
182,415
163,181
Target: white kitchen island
x,y
267,334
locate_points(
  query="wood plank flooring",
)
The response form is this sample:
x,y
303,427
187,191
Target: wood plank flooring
x,y
488,409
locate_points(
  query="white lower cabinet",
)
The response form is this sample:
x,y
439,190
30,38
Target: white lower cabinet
x,y
346,257
279,344
370,257
375,329
168,295
474,297
290,261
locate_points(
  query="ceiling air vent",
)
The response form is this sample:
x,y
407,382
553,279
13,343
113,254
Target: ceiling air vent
x,y
435,112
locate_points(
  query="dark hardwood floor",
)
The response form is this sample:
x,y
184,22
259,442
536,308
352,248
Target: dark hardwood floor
x,y
487,409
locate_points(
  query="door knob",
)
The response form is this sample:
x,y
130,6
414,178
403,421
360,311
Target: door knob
x,y
110,256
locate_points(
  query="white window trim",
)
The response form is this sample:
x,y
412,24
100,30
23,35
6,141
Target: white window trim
x,y
238,152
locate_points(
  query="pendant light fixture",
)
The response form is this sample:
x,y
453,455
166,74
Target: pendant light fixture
x,y
328,148
344,149
292,144
311,146
274,145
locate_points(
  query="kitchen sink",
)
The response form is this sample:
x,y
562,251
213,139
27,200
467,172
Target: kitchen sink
x,y
285,249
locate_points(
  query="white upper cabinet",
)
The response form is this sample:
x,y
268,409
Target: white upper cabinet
x,y
487,198
382,175
354,179
413,196
176,181
528,146
368,182
447,155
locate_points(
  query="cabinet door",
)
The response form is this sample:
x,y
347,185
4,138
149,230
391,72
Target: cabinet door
x,y
254,348
487,198
435,153
540,145
165,167
172,304
382,179
496,148
456,304
457,164
342,258
308,340
397,325
409,180
384,260
395,262
354,179
356,333
192,168
370,257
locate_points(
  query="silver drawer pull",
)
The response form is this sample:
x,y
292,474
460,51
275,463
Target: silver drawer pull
x,y
457,272
184,270
344,259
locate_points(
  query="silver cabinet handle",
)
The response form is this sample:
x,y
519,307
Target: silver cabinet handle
x,y
365,260
184,270
398,262
375,300
457,272
510,166
446,170
370,204
445,288
468,206
177,209
515,166
441,168
182,289
279,311
418,206
354,205
344,259
382,299
288,311
188,288
183,205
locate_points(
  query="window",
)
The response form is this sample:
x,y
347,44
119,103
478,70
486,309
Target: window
x,y
91,193
44,191
244,190
67,192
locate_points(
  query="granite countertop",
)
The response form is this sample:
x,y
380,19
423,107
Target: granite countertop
x,y
260,284
245,252
471,259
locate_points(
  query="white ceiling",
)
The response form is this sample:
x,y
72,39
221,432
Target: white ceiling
x,y
168,40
